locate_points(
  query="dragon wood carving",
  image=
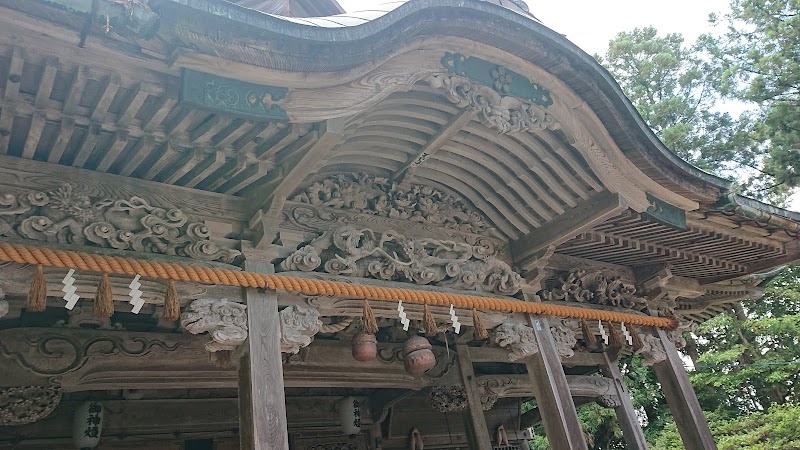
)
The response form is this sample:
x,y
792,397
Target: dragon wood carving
x,y
67,216
394,257
379,196
594,288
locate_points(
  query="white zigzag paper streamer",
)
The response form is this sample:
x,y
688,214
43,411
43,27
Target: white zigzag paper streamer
x,y
403,317
602,332
136,295
454,319
69,290
626,333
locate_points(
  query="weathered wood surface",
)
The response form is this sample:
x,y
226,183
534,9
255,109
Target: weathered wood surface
x,y
560,419
474,419
682,400
262,403
627,418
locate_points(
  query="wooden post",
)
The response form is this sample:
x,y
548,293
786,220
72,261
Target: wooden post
x,y
478,431
262,402
559,417
626,414
686,411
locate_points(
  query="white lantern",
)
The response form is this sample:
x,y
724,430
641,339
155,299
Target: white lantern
x,y
350,415
87,425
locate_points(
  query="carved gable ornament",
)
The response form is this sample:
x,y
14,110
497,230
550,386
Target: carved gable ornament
x,y
378,196
596,288
67,216
393,257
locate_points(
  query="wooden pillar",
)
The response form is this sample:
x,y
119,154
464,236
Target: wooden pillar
x,y
262,401
559,417
478,431
626,414
686,411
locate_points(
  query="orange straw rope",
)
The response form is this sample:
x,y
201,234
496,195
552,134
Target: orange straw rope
x,y
24,254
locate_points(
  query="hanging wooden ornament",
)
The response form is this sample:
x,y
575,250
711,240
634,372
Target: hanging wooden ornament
x,y
429,322
104,299
479,331
370,324
172,305
37,296
588,337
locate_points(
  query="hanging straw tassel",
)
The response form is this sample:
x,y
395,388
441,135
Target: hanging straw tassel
x,y
37,296
172,306
104,299
479,331
636,339
615,337
429,322
588,337
370,324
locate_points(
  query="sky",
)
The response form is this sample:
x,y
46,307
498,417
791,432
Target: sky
x,y
591,24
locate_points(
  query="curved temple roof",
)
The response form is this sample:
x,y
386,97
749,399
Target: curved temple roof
x,y
528,137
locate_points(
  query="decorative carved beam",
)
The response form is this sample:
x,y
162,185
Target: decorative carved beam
x,y
291,171
492,387
564,227
406,172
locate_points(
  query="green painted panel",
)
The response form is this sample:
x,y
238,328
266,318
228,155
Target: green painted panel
x,y
231,96
665,213
499,78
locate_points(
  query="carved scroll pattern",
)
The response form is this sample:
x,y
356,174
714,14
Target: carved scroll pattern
x,y
225,321
316,218
58,354
27,404
299,324
519,338
595,288
393,257
378,196
67,216
506,114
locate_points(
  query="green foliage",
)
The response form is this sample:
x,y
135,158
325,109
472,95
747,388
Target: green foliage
x,y
674,89
774,429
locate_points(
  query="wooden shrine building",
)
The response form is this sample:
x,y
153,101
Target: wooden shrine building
x,y
275,225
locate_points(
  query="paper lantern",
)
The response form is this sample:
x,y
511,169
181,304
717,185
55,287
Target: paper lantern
x,y
350,415
87,425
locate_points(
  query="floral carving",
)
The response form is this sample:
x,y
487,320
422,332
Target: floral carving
x,y
27,404
594,288
564,338
68,216
378,196
652,351
507,114
225,321
299,324
393,257
519,338
448,399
